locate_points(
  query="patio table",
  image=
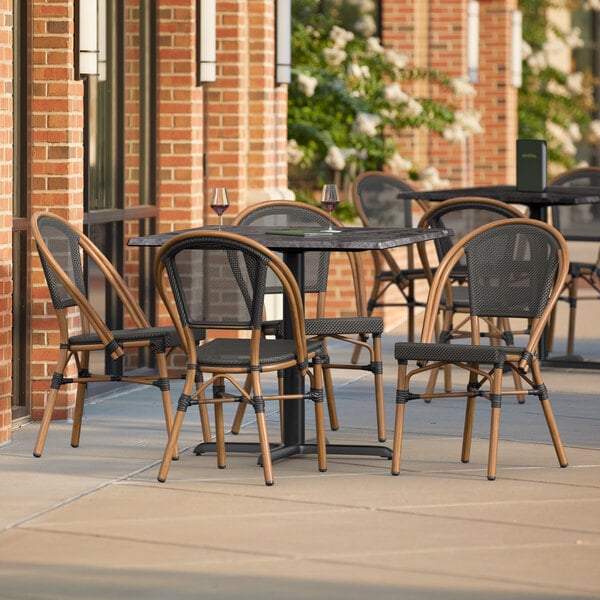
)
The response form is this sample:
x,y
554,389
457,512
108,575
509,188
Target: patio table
x,y
293,245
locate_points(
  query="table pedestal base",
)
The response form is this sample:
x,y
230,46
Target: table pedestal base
x,y
280,451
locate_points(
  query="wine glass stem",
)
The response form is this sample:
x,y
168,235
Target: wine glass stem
x,y
220,222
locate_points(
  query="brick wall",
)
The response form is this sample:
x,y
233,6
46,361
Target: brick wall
x,y
56,170
6,190
434,35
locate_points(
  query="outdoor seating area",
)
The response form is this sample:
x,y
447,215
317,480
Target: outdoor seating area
x,y
440,530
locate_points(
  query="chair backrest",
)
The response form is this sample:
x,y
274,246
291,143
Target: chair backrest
x,y
298,215
376,202
64,253
463,215
295,215
217,281
516,268
578,222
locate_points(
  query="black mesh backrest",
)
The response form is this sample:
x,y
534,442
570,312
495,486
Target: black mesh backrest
x,y
511,270
294,216
217,283
377,194
63,245
578,222
463,217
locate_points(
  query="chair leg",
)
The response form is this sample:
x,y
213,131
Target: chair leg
x,y
78,414
265,450
330,394
61,365
572,316
171,445
496,400
379,393
465,456
401,392
549,415
220,436
317,384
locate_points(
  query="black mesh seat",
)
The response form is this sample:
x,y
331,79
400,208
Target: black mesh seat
x,y
215,282
357,330
463,215
516,269
64,252
375,198
580,226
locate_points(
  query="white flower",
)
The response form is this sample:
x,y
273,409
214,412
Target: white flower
x,y
340,37
575,132
374,45
560,137
307,84
398,164
469,120
595,128
526,50
592,5
537,62
413,108
366,25
358,71
575,83
430,179
334,57
335,159
573,38
462,88
398,60
294,154
556,89
366,124
394,95
454,133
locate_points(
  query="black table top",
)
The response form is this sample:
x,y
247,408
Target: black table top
x,y
348,239
551,196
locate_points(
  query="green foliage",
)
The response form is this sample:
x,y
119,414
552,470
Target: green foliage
x,y
555,102
346,103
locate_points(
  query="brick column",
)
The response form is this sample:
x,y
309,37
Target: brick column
x,y
6,192
56,170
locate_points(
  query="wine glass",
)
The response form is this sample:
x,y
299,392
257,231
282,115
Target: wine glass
x,y
330,199
219,202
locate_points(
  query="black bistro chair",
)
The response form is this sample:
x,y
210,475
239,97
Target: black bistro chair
x,y
360,331
215,282
516,268
65,253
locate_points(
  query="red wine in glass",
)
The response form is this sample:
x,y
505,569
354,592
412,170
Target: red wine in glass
x,y
330,199
219,202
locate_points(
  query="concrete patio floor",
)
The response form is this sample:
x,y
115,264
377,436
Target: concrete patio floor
x,y
93,522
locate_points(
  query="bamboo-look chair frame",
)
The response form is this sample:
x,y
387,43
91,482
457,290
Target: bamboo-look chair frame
x,y
470,357
199,359
388,272
498,331
72,306
351,330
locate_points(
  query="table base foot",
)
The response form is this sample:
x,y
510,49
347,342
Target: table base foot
x,y
279,451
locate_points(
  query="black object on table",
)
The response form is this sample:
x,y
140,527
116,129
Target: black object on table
x,y
293,246
538,203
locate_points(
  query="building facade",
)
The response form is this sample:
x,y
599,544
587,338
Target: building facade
x,y
136,148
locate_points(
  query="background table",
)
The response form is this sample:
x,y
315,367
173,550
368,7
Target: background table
x,y
293,247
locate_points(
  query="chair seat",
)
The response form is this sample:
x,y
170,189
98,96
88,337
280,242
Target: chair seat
x,y
343,326
485,354
233,351
168,334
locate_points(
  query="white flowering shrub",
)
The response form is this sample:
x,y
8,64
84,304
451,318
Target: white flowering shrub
x,y
348,99
556,100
